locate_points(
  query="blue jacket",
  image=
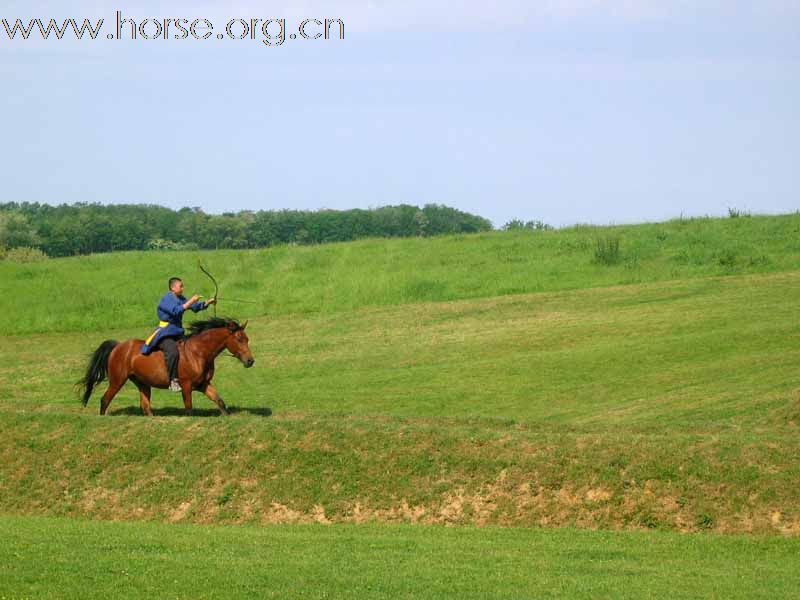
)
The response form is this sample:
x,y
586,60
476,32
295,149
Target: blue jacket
x,y
170,313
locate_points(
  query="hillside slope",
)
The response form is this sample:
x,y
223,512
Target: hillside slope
x,y
119,290
670,405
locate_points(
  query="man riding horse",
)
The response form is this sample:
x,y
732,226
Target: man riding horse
x,y
134,360
170,326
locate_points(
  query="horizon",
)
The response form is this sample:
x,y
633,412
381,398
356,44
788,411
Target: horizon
x,y
741,213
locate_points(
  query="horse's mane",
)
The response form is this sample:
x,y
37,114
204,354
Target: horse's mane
x,y
213,323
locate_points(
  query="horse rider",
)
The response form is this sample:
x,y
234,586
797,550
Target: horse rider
x,y
170,326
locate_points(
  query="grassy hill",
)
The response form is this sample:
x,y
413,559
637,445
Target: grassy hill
x,y
109,291
506,379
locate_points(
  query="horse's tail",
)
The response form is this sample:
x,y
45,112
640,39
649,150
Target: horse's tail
x,y
97,369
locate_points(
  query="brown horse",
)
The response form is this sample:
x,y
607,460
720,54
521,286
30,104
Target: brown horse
x,y
121,361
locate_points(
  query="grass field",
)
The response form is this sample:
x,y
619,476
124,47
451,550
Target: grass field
x,y
102,292
503,379
137,560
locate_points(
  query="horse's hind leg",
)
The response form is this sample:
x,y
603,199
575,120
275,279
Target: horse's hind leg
x,y
116,379
114,386
144,398
212,394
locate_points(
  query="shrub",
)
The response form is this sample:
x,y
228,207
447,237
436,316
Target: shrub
x,y
704,521
23,254
735,213
606,251
517,225
162,244
727,258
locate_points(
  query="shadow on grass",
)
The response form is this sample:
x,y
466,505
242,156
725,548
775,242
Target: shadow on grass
x,y
176,411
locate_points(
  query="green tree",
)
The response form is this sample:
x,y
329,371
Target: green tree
x,y
16,232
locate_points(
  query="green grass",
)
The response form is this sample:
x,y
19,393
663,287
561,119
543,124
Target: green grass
x,y
669,405
503,379
119,290
696,355
101,560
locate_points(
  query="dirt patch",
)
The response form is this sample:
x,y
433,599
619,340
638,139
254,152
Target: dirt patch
x,y
598,495
99,499
280,513
318,514
179,514
452,509
248,483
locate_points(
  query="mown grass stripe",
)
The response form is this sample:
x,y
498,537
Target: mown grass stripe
x,y
61,558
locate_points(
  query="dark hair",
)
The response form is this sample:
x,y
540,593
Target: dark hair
x,y
213,323
173,280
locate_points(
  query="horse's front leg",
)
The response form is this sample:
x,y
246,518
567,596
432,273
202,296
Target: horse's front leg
x,y
214,396
186,391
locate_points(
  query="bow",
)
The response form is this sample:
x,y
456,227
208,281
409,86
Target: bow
x,y
214,281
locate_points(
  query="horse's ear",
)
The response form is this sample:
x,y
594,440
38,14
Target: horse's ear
x,y
232,326
245,324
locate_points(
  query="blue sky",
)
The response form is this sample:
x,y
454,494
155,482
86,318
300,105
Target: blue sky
x,y
565,111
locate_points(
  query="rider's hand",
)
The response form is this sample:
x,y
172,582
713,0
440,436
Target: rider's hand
x,y
211,301
194,299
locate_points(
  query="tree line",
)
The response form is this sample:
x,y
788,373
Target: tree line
x,y
83,228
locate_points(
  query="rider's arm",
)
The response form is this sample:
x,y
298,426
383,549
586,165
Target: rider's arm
x,y
192,303
171,306
198,306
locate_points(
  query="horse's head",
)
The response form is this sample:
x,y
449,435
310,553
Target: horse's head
x,y
237,343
